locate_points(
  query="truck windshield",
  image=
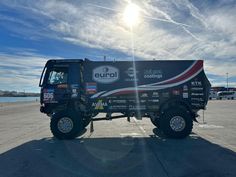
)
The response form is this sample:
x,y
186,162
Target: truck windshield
x,y
57,76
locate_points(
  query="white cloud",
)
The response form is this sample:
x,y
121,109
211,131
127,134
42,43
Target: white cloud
x,y
21,71
168,30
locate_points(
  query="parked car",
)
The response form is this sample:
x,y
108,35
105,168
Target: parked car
x,y
229,95
212,95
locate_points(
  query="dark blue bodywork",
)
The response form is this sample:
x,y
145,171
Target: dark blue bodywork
x,y
125,86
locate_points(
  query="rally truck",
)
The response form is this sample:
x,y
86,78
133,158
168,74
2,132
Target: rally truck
x,y
169,92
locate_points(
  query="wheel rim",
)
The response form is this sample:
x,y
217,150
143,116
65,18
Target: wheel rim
x,y
177,123
65,125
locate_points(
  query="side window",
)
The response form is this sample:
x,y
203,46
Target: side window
x,y
58,76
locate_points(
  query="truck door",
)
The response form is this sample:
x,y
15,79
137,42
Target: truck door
x,y
55,84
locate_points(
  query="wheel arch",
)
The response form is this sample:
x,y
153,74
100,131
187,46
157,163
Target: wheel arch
x,y
171,103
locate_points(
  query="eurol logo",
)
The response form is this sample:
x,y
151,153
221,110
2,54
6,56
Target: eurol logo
x,y
105,74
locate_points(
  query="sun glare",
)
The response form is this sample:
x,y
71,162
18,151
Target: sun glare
x,y
131,14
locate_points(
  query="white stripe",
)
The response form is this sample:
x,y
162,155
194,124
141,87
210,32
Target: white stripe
x,y
97,94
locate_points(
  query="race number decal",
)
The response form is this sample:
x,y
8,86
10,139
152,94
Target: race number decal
x,y
48,95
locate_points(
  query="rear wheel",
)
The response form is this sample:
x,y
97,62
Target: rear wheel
x,y
66,125
176,123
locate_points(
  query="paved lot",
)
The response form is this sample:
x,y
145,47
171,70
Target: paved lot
x,y
117,148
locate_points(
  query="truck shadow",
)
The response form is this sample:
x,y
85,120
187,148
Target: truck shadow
x,y
119,156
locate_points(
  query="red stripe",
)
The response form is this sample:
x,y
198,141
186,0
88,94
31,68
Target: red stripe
x,y
188,74
127,92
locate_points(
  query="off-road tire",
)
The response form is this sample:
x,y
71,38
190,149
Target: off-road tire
x,y
166,119
77,124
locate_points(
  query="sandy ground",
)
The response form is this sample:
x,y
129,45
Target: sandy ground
x,y
116,148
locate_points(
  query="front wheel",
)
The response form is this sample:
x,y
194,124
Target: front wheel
x,y
66,125
176,123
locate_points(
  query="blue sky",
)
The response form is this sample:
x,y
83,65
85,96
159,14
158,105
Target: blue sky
x,y
33,31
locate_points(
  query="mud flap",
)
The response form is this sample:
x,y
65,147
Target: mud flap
x,y
91,126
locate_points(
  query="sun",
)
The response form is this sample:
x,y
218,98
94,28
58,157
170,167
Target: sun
x,y
131,15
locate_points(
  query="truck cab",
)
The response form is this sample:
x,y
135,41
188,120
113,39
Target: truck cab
x,y
61,83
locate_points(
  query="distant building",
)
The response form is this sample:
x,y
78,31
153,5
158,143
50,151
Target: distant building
x,y
217,89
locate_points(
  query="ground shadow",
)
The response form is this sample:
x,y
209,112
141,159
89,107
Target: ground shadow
x,y
119,156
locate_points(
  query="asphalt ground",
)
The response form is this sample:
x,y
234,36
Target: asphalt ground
x,y
117,147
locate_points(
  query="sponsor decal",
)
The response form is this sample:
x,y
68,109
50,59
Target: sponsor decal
x,y
197,94
185,95
152,73
115,107
74,93
185,88
134,107
91,87
131,73
175,92
197,88
99,105
196,83
62,86
48,94
118,101
74,90
132,101
144,95
197,99
154,100
105,74
155,94
74,86
166,94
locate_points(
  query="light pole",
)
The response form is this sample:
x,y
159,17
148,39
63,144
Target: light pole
x,y
227,81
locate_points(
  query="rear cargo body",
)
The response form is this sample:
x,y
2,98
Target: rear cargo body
x,y
113,86
168,92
